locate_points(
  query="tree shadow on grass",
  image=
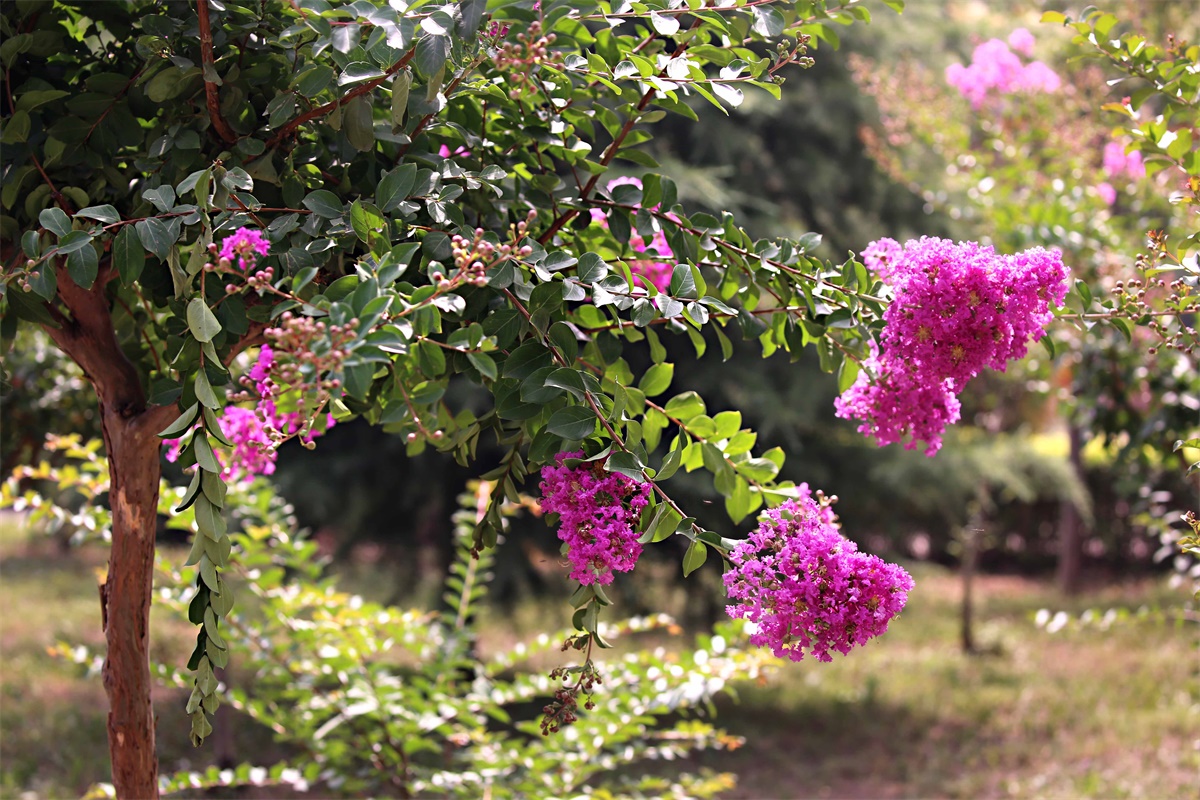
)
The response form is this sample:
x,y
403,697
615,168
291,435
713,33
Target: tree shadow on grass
x,y
839,748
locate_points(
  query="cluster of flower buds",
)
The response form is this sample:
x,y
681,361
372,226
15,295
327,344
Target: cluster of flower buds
x,y
786,54
312,352
561,710
1139,298
531,49
471,260
434,435
23,281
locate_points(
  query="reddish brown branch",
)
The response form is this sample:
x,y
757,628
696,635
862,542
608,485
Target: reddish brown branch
x,y
113,104
608,156
210,87
320,111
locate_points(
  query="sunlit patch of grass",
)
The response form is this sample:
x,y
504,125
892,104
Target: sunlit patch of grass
x,y
1081,713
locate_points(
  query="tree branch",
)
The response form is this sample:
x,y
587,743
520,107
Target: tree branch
x,y
89,339
320,111
210,87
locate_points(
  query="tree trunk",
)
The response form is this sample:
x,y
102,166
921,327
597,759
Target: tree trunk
x,y
970,556
131,440
134,469
1070,524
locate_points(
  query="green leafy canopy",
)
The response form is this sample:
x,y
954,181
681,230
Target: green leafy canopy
x,y
362,138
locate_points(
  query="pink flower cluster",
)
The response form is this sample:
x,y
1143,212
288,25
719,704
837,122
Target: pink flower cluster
x,y
255,433
246,245
598,513
958,309
1117,162
995,68
645,271
444,151
1118,165
807,588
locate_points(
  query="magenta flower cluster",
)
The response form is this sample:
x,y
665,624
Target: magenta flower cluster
x,y
598,514
645,270
245,245
255,433
806,588
995,69
958,309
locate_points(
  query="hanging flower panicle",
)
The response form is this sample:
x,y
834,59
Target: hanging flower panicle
x,y
806,588
598,514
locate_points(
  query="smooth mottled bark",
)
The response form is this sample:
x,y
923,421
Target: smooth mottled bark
x,y
133,459
85,333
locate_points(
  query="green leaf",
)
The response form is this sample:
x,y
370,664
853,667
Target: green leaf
x,y
208,573
324,203
685,406
222,602
626,464
670,465
16,129
668,524
665,24
395,186
525,359
213,487
55,220
573,423
73,241
365,219
591,268
358,380
431,359
83,265
740,502
181,423
694,558
401,85
128,255
104,213
201,321
204,390
568,379
657,379
357,71
484,363
209,519
44,281
431,55
204,452
359,124
314,80
155,236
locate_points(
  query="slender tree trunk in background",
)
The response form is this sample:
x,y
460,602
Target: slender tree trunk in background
x,y
1070,524
968,580
84,331
971,536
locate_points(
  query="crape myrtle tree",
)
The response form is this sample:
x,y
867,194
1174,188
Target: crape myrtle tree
x,y
245,222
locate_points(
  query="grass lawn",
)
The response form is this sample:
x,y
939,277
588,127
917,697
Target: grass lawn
x,y
1079,713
